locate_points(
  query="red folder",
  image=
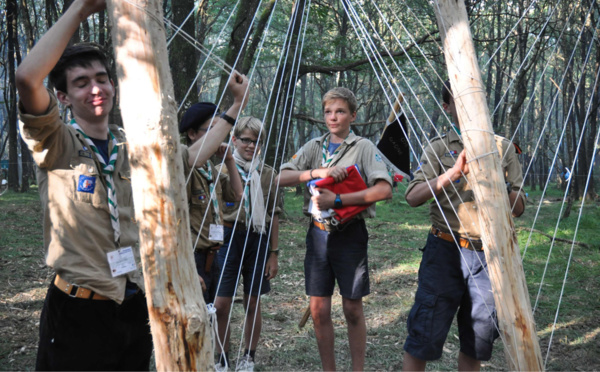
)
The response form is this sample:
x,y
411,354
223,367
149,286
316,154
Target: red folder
x,y
352,183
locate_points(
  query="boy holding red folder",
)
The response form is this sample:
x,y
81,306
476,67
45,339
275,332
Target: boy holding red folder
x,y
340,252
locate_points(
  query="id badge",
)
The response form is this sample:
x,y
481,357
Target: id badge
x,y
216,232
121,261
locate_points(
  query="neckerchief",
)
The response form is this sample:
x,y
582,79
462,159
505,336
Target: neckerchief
x,y
107,172
328,158
252,190
208,176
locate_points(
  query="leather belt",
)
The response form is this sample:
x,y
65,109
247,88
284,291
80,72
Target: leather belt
x,y
210,257
239,226
473,245
76,291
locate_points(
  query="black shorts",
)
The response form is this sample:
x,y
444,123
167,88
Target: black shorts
x,y
248,250
337,255
452,280
101,335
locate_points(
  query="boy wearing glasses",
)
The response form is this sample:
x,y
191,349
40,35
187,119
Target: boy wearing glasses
x,y
251,237
206,191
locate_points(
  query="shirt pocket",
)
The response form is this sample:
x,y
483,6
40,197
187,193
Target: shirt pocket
x,y
87,183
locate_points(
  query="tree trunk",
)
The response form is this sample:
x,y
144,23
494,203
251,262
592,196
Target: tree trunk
x,y
13,40
178,316
182,55
498,233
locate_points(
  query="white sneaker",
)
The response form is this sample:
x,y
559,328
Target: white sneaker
x,y
245,364
220,368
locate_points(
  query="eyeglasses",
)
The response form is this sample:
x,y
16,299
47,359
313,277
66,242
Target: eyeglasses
x,y
247,141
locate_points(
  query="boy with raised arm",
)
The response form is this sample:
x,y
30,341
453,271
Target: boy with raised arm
x,y
453,276
207,189
91,320
339,254
251,239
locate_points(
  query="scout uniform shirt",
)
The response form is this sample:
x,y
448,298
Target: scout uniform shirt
x,y
78,232
440,156
270,192
199,200
353,150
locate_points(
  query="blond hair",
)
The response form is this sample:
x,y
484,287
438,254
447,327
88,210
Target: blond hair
x,y
251,123
341,93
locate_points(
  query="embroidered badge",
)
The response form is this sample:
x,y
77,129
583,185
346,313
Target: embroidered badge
x,y
295,156
86,184
85,154
378,158
229,204
202,197
451,154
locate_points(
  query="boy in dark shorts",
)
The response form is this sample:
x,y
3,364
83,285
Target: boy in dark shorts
x,y
453,278
207,190
251,239
340,254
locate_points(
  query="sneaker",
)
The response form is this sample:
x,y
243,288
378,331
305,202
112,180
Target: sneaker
x,y
220,368
245,364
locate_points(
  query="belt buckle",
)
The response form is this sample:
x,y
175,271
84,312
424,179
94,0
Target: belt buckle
x,y
70,288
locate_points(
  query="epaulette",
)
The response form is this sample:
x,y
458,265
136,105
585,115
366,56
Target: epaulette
x,y
437,138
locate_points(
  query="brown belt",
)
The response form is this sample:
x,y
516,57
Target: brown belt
x,y
238,226
473,245
77,291
210,257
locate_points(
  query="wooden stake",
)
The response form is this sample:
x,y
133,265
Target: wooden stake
x,y
497,230
178,315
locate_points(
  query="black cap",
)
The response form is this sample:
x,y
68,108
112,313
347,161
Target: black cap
x,y
197,114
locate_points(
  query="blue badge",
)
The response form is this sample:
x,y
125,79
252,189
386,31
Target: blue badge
x,y
378,158
457,181
229,204
202,197
419,167
86,184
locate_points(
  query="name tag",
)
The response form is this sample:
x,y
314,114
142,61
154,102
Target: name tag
x,y
86,184
215,232
121,261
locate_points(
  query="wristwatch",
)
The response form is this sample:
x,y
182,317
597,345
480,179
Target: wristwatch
x,y
228,119
337,204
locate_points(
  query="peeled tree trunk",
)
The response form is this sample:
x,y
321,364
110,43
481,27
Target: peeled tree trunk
x,y
501,247
178,315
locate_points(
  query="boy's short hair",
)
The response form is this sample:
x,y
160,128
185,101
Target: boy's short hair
x,y
341,93
251,123
446,92
78,55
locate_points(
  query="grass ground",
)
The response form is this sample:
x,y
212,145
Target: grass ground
x,y
395,236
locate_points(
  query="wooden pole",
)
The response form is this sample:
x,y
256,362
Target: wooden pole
x,y
178,315
485,172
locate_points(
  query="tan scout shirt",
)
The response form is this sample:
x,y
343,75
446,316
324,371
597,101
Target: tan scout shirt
x,y
199,200
77,229
355,150
440,156
269,187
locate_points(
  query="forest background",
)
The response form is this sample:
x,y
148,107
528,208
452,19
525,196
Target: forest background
x,y
540,61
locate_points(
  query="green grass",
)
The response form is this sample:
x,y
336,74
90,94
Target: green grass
x,y
395,238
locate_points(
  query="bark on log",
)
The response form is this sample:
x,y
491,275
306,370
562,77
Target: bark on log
x,y
178,315
498,234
